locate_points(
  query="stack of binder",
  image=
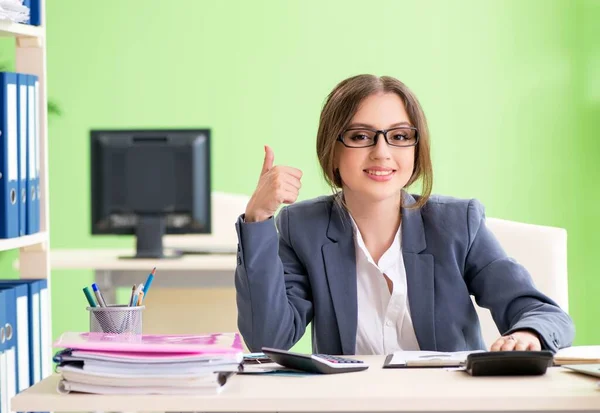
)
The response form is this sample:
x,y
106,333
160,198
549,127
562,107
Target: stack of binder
x,y
19,155
103,363
25,351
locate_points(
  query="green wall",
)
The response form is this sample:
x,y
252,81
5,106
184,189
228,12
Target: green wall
x,y
511,90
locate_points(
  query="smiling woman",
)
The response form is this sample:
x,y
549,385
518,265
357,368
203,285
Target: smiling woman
x,y
374,268
358,111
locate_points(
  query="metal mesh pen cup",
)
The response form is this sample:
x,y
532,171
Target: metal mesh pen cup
x,y
116,319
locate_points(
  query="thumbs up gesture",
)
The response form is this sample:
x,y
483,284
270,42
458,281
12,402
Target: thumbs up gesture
x,y
277,185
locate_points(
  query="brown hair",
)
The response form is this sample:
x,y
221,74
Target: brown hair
x,y
341,105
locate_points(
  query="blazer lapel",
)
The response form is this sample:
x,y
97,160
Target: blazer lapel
x,y
419,275
340,268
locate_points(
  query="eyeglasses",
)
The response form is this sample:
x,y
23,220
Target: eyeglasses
x,y
362,138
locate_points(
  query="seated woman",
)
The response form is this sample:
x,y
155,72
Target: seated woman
x,y
374,268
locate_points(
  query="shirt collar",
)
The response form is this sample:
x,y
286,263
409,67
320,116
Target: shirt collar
x,y
389,259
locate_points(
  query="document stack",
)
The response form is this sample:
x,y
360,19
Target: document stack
x,y
103,363
14,10
21,11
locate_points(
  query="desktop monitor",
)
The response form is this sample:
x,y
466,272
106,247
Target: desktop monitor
x,y
149,183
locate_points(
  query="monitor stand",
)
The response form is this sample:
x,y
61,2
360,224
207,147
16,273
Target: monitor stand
x,y
149,238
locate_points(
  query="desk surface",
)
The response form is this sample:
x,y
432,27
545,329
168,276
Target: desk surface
x,y
375,389
108,259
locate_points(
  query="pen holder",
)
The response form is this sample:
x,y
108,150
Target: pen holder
x,y
116,319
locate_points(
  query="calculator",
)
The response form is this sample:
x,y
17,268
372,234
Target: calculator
x,y
314,363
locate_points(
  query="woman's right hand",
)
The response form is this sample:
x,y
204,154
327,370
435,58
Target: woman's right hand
x,y
277,185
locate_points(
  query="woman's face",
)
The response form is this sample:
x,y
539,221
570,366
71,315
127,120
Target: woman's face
x,y
379,172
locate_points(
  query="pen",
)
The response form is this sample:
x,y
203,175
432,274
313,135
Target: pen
x,y
149,281
89,296
131,299
99,297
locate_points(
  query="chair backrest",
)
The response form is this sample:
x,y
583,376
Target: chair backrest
x,y
542,251
225,209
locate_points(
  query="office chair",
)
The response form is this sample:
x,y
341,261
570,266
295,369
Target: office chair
x,y
542,251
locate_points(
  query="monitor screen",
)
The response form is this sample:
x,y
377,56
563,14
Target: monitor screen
x,y
150,182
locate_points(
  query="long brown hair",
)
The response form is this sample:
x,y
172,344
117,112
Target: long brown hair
x,y
341,105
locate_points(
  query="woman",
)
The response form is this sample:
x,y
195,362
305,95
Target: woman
x,y
374,268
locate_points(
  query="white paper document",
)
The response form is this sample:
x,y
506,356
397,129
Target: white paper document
x,y
427,358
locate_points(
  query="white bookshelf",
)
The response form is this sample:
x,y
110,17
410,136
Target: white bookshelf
x,y
10,29
34,250
24,242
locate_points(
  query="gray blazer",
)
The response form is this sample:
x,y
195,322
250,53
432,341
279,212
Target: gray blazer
x,y
307,273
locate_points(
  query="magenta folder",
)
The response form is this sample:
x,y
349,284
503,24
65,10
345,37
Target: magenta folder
x,y
217,343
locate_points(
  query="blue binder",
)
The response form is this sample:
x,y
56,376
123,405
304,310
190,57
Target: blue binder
x,y
45,335
9,179
3,355
34,325
21,329
33,148
23,133
35,12
38,193
9,359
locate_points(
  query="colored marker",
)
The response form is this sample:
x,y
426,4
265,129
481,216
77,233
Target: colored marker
x,y
98,294
89,296
149,281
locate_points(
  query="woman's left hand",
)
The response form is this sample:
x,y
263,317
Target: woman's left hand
x,y
519,341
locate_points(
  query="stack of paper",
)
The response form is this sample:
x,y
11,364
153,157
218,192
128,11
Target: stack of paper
x,y
147,364
13,10
577,355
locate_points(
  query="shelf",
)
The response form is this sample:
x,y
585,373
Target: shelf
x,y
25,241
10,29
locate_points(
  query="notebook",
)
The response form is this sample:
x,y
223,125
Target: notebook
x,y
66,387
589,369
404,359
145,358
77,374
100,385
213,344
577,355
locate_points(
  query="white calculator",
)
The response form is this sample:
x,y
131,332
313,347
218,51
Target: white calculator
x,y
315,363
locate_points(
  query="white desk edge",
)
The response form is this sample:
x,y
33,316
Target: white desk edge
x,y
375,389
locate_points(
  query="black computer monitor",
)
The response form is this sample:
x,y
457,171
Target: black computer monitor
x,y
149,183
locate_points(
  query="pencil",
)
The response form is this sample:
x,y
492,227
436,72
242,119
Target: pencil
x,y
149,281
140,298
131,299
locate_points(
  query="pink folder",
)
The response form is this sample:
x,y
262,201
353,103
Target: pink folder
x,y
217,343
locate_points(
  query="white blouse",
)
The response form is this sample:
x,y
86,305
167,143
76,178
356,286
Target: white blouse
x,y
384,322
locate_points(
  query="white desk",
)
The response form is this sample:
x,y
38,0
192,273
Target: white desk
x,y
108,260
111,272
375,389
